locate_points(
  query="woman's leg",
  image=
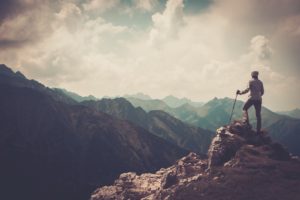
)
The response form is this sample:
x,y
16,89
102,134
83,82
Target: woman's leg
x,y
247,105
257,106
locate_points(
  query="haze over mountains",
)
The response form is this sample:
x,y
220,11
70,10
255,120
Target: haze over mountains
x,y
216,112
210,115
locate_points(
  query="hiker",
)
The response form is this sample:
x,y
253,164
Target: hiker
x,y
256,89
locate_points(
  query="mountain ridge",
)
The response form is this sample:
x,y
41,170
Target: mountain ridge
x,y
157,122
74,95
216,112
17,79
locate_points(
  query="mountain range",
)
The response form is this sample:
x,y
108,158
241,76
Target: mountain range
x,y
216,113
55,144
138,95
175,102
211,115
157,122
54,148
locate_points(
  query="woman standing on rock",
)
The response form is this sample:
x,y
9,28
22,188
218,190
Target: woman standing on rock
x,y
256,89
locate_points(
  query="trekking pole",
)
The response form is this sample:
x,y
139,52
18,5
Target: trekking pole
x,y
233,108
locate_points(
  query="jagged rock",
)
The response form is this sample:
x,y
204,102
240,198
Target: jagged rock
x,y
238,159
230,139
150,186
169,179
223,147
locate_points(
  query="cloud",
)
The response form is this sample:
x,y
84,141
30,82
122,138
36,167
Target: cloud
x,y
256,11
100,5
62,46
167,24
261,47
70,15
286,40
11,8
26,27
77,45
146,5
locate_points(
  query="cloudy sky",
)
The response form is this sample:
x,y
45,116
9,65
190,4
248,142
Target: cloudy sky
x,y
198,49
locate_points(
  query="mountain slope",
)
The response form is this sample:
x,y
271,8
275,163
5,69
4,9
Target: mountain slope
x,y
8,77
293,113
186,112
175,102
212,114
287,132
186,136
159,123
240,165
73,95
53,150
217,112
150,104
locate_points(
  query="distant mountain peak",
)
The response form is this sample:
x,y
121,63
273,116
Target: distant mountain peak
x,y
119,100
171,97
175,102
138,95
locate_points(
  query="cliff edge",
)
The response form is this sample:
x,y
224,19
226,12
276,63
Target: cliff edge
x,y
240,165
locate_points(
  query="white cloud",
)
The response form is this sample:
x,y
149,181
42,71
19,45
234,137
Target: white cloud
x,y
261,47
167,24
100,5
197,56
146,5
68,10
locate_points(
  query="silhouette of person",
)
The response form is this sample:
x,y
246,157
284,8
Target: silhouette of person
x,y
256,89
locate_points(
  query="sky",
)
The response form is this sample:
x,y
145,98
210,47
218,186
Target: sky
x,y
199,49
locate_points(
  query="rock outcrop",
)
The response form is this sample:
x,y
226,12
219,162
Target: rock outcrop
x,y
240,165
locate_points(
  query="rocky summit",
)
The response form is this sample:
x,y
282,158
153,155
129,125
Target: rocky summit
x,y
241,165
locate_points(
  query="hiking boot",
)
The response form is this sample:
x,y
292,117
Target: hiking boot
x,y
246,123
